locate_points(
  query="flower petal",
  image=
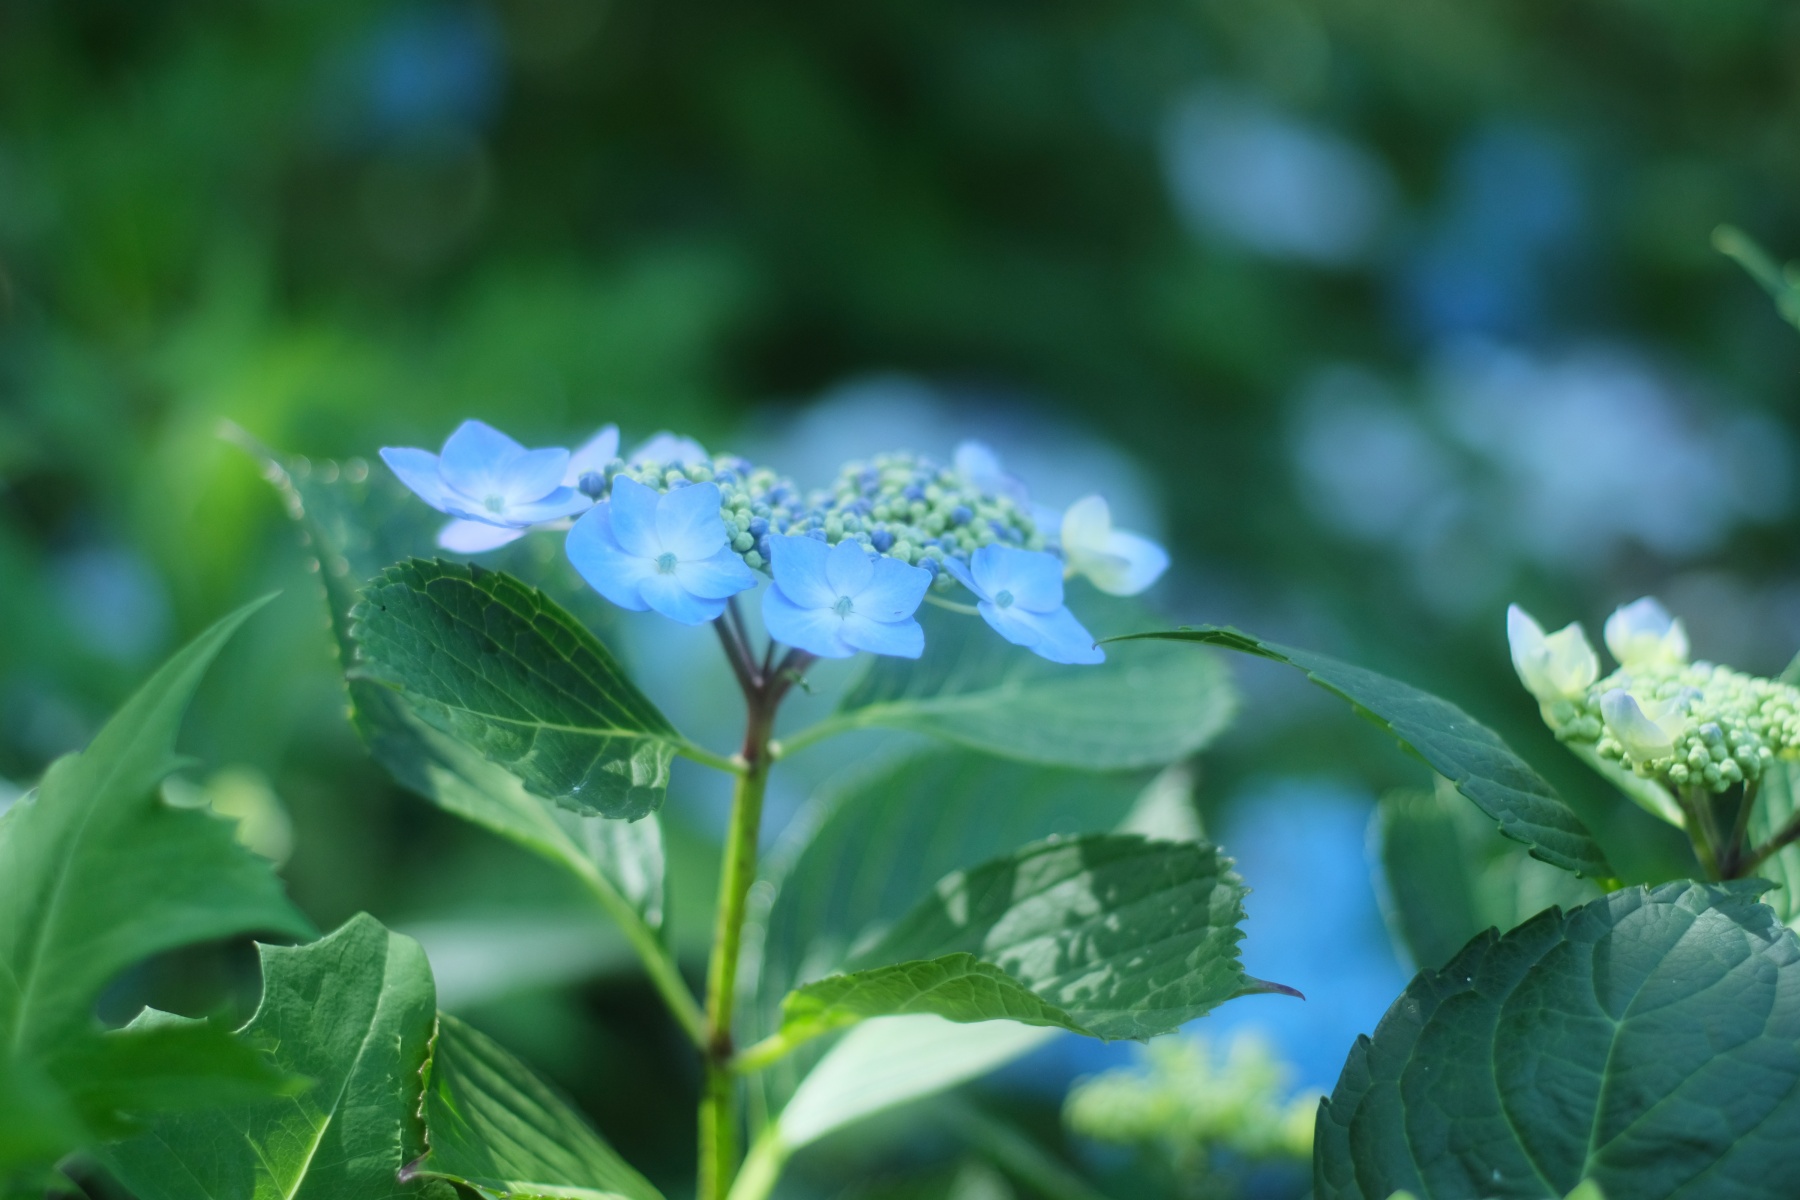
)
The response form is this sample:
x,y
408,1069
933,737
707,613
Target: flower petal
x,y
1642,634
1033,577
634,517
1642,738
977,463
716,578
670,451
476,537
963,575
1128,565
798,565
900,639
1087,524
533,475
418,470
895,591
1056,635
848,567
594,550
688,522
816,630
593,455
562,502
475,458
665,594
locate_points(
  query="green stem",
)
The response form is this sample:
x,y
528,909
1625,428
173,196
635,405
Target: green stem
x,y
706,758
762,1167
1697,804
1737,848
718,1100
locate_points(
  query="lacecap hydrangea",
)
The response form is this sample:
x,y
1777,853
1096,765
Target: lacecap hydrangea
x,y
672,529
1684,724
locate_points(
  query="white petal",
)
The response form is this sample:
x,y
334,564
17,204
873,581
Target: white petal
x,y
1642,634
1562,666
1642,738
476,537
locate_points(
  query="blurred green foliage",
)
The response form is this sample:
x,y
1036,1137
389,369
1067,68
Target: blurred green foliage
x,y
347,224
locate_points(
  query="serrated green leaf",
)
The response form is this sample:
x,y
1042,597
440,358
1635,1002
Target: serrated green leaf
x,y
1448,875
975,689
500,667
1449,740
494,1126
98,873
354,523
1648,1041
1110,935
354,1013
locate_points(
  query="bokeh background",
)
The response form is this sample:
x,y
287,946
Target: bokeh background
x,y
1382,313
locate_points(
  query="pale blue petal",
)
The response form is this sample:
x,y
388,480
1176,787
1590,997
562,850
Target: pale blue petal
x,y
716,578
670,451
964,576
665,594
816,630
1033,577
563,502
475,458
848,568
593,455
595,552
901,639
534,474
418,470
1057,635
476,537
798,564
688,523
895,591
634,517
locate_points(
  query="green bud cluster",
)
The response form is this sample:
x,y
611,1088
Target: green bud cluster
x,y
901,506
1735,726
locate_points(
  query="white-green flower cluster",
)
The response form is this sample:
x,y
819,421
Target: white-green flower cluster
x,y
1687,724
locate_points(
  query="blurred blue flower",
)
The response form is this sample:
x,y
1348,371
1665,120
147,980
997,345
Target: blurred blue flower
x,y
670,451
835,600
668,551
1021,596
419,68
476,537
1117,562
483,475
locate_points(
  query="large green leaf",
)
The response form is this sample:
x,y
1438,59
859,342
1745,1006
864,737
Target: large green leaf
x,y
1649,1041
355,522
1449,876
98,873
1111,935
353,1012
500,667
1449,740
1138,709
497,1128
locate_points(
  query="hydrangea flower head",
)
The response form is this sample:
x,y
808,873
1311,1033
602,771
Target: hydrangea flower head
x,y
835,600
1642,634
668,551
483,475
1116,562
1560,666
1020,594
587,463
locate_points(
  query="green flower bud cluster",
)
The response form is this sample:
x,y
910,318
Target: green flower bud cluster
x,y
901,506
1726,726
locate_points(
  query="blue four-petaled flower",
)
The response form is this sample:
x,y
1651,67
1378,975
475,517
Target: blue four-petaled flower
x,y
1020,594
835,600
483,475
476,537
668,551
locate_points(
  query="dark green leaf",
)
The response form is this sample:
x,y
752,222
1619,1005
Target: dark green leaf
x,y
1449,740
1778,806
98,873
355,523
1138,709
1449,875
1110,935
353,1013
502,668
496,1127
1649,1041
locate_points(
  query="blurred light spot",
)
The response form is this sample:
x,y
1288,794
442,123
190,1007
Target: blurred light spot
x,y
1368,465
1240,170
243,795
420,68
113,601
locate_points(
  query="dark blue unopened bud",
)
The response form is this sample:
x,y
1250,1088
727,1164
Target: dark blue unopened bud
x,y
592,484
930,564
882,540
817,535
762,547
960,515
724,477
758,526
914,492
